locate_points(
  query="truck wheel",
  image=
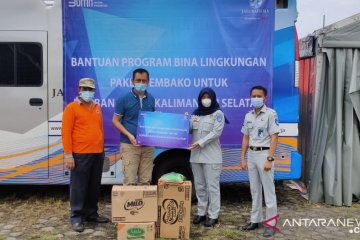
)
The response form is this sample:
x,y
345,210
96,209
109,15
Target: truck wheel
x,y
174,160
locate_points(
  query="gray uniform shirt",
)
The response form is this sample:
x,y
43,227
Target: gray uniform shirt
x,y
260,127
206,130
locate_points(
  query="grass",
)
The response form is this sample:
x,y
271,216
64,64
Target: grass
x,y
219,232
43,236
231,218
33,209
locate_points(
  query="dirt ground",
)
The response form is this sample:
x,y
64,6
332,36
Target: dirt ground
x,y
42,212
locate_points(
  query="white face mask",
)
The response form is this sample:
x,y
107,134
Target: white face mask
x,y
87,96
257,102
206,102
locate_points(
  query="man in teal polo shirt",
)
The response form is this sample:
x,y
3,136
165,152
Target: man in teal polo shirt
x,y
137,159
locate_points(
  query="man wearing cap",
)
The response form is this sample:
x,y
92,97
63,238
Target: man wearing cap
x,y
83,143
137,160
260,131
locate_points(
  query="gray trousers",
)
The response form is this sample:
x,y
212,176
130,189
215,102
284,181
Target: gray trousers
x,y
207,187
259,180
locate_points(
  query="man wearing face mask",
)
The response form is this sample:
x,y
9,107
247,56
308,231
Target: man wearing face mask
x,y
83,143
260,131
137,160
206,126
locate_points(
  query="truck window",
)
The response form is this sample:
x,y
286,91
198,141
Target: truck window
x,y
21,64
281,4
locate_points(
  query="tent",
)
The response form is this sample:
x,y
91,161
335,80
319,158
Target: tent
x,y
330,113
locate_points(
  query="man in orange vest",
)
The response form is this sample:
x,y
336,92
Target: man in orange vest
x,y
83,142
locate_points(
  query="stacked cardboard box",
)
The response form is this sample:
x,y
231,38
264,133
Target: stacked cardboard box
x,y
134,209
174,209
144,230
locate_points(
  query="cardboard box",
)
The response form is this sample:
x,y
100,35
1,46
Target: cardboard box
x,y
134,203
174,209
144,230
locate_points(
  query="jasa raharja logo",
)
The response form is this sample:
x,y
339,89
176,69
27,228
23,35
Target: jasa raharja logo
x,y
256,7
135,233
255,4
134,205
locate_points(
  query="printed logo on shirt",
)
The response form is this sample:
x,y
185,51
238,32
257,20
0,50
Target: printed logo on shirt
x,y
260,133
277,121
219,118
196,118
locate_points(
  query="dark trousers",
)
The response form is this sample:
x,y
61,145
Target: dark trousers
x,y
85,182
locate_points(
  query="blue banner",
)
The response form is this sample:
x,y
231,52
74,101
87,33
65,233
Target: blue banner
x,y
186,45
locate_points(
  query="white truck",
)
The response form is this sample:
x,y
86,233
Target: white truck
x,y
46,46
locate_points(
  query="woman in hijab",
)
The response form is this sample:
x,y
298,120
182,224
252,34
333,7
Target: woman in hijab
x,y
206,125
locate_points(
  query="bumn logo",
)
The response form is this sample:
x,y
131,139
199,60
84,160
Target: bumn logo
x,y
134,205
81,3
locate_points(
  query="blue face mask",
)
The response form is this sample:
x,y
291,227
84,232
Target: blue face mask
x,y
140,87
257,102
87,96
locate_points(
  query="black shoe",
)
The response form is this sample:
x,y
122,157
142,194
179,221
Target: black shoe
x,y
250,226
98,219
269,232
78,227
210,222
199,219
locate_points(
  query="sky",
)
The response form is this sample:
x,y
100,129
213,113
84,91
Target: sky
x,y
311,13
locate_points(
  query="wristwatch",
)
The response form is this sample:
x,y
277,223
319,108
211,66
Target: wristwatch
x,y
269,158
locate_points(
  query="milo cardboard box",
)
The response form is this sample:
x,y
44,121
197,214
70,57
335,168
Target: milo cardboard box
x,y
134,204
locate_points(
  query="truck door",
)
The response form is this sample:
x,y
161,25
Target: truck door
x,y
23,102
